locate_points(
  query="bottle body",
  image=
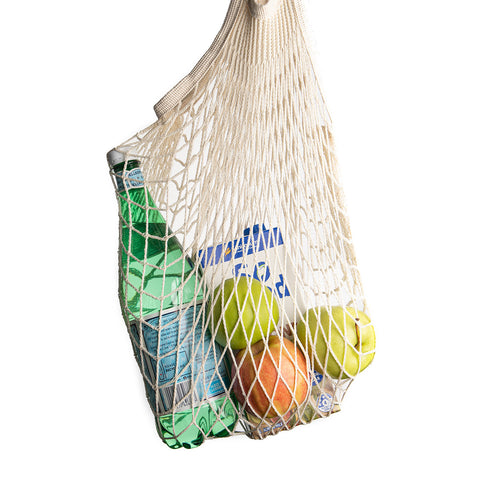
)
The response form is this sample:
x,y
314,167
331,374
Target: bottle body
x,y
164,308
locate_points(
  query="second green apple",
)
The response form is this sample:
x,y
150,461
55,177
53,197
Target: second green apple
x,y
341,340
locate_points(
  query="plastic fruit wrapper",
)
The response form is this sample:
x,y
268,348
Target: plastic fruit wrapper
x,y
324,399
258,429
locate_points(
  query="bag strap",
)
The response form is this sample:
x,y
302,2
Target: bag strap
x,y
260,9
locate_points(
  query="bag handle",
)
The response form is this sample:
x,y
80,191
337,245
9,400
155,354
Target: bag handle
x,y
260,9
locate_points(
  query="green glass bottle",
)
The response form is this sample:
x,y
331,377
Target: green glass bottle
x,y
163,305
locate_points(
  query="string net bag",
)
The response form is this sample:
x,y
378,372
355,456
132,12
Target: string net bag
x,y
238,279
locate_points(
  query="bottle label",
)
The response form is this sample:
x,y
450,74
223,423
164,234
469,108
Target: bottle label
x,y
185,368
130,179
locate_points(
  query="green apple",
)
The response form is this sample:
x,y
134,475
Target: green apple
x,y
244,312
341,338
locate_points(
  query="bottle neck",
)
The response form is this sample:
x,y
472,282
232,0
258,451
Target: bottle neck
x,y
136,203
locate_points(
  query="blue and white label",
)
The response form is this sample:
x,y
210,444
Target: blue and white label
x,y
261,272
272,428
325,402
130,179
252,242
185,365
317,378
260,253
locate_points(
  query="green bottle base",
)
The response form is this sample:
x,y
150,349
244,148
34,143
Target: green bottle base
x,y
189,429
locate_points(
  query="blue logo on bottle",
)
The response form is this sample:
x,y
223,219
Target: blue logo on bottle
x,y
131,179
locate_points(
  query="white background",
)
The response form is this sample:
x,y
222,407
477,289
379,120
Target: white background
x,y
401,80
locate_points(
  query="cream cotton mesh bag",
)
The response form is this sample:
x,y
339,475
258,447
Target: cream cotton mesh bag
x,y
237,275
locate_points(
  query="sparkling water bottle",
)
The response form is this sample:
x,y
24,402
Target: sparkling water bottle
x,y
164,308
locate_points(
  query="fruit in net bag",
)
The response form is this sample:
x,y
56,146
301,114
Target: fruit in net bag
x,y
244,311
270,378
341,340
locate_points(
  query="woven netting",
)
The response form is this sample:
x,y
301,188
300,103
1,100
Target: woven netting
x,y
236,257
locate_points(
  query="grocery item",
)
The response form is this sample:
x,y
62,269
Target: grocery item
x,y
260,253
340,339
270,378
163,305
244,311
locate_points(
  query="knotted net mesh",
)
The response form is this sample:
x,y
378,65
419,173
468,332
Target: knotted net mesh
x,y
238,279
